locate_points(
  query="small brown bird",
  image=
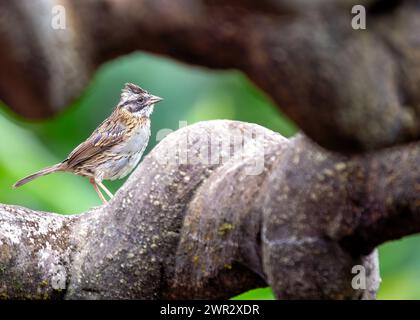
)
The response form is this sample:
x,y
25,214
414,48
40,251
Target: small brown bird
x,y
115,147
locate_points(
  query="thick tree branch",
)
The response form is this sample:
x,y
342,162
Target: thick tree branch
x,y
346,89
198,219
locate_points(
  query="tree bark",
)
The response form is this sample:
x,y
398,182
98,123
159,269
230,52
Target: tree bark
x,y
197,219
349,90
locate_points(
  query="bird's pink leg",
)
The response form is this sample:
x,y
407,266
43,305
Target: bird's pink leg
x,y
92,181
109,193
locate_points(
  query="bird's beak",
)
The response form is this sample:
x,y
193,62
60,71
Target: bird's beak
x,y
155,99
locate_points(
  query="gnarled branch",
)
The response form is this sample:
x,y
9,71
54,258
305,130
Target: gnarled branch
x,y
330,79
199,219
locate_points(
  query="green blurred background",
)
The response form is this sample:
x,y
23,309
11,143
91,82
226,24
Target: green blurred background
x,y
191,94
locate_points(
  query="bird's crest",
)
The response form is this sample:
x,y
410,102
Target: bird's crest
x,y
132,88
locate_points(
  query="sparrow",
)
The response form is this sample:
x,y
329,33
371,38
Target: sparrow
x,y
115,148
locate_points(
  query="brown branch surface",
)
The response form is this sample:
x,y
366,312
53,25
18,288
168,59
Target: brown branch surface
x,y
210,227
346,89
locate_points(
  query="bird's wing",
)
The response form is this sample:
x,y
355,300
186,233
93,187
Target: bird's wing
x,y
108,134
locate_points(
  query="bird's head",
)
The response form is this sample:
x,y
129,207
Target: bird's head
x,y
137,100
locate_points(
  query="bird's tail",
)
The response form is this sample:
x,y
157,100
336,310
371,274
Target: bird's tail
x,y
43,172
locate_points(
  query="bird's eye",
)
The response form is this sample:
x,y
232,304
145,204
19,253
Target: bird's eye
x,y
140,99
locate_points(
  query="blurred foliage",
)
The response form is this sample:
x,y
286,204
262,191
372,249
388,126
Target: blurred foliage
x,y
191,94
